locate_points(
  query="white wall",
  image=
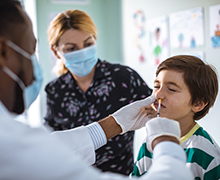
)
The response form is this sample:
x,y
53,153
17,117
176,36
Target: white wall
x,y
157,8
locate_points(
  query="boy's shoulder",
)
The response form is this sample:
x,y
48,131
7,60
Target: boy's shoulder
x,y
201,141
203,154
199,135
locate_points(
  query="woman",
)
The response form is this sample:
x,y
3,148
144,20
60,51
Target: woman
x,y
89,89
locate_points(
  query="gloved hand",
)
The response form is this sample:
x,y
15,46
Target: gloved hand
x,y
158,126
133,116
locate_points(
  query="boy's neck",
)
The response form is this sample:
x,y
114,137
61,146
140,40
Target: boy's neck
x,y
186,127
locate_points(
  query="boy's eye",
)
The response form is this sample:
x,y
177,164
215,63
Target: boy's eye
x,y
173,90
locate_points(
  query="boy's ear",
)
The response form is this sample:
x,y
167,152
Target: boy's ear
x,y
198,106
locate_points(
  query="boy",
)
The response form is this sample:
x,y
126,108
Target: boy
x,y
187,88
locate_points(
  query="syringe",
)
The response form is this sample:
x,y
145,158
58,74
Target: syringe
x,y
158,108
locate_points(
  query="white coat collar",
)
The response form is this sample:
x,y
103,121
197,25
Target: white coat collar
x,y
5,112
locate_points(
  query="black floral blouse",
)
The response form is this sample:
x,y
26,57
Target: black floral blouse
x,y
113,87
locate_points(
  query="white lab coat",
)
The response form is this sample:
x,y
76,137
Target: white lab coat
x,y
33,154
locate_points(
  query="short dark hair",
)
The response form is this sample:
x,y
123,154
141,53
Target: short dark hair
x,y
200,78
10,17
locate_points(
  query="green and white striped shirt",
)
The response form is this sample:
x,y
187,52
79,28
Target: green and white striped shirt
x,y
203,155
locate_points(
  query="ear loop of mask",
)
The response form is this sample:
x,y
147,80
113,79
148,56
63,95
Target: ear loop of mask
x,y
14,77
18,49
20,83
12,74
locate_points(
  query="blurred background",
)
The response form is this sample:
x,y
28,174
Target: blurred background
x,y
137,33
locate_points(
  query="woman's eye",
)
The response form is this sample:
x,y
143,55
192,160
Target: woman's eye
x,y
88,44
156,87
70,49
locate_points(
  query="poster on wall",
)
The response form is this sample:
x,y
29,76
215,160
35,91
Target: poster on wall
x,y
135,40
139,34
145,42
214,19
187,29
157,29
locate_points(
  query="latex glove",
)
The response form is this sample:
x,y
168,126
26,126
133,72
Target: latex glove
x,y
133,116
159,126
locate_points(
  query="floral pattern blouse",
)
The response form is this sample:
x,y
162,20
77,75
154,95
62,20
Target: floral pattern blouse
x,y
113,87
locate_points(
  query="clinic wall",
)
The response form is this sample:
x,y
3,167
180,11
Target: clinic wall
x,y
157,8
106,15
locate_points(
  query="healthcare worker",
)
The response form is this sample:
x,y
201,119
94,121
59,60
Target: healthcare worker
x,y
31,153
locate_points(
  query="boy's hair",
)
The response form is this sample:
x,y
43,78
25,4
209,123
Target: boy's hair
x,y
200,78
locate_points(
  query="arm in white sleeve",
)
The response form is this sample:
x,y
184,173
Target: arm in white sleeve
x,y
31,153
169,163
97,135
84,140
169,159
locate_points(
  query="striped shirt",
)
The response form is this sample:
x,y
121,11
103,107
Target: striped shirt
x,y
203,155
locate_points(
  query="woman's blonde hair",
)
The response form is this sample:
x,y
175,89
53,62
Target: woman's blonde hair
x,y
70,19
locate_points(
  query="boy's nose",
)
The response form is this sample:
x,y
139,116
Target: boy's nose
x,y
159,94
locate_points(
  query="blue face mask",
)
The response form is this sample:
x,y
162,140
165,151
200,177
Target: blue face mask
x,y
30,92
81,62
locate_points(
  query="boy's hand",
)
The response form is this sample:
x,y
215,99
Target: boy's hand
x,y
134,116
158,127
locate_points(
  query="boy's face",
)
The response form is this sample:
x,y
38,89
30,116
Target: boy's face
x,y
169,86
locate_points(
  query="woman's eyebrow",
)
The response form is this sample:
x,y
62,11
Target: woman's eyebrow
x,y
68,43
87,39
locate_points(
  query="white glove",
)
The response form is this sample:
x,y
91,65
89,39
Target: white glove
x,y
158,126
133,116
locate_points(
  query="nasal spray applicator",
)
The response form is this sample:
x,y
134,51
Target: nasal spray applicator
x,y
158,109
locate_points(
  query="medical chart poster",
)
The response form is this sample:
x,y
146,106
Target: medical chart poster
x,y
214,19
157,30
139,40
187,29
135,41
